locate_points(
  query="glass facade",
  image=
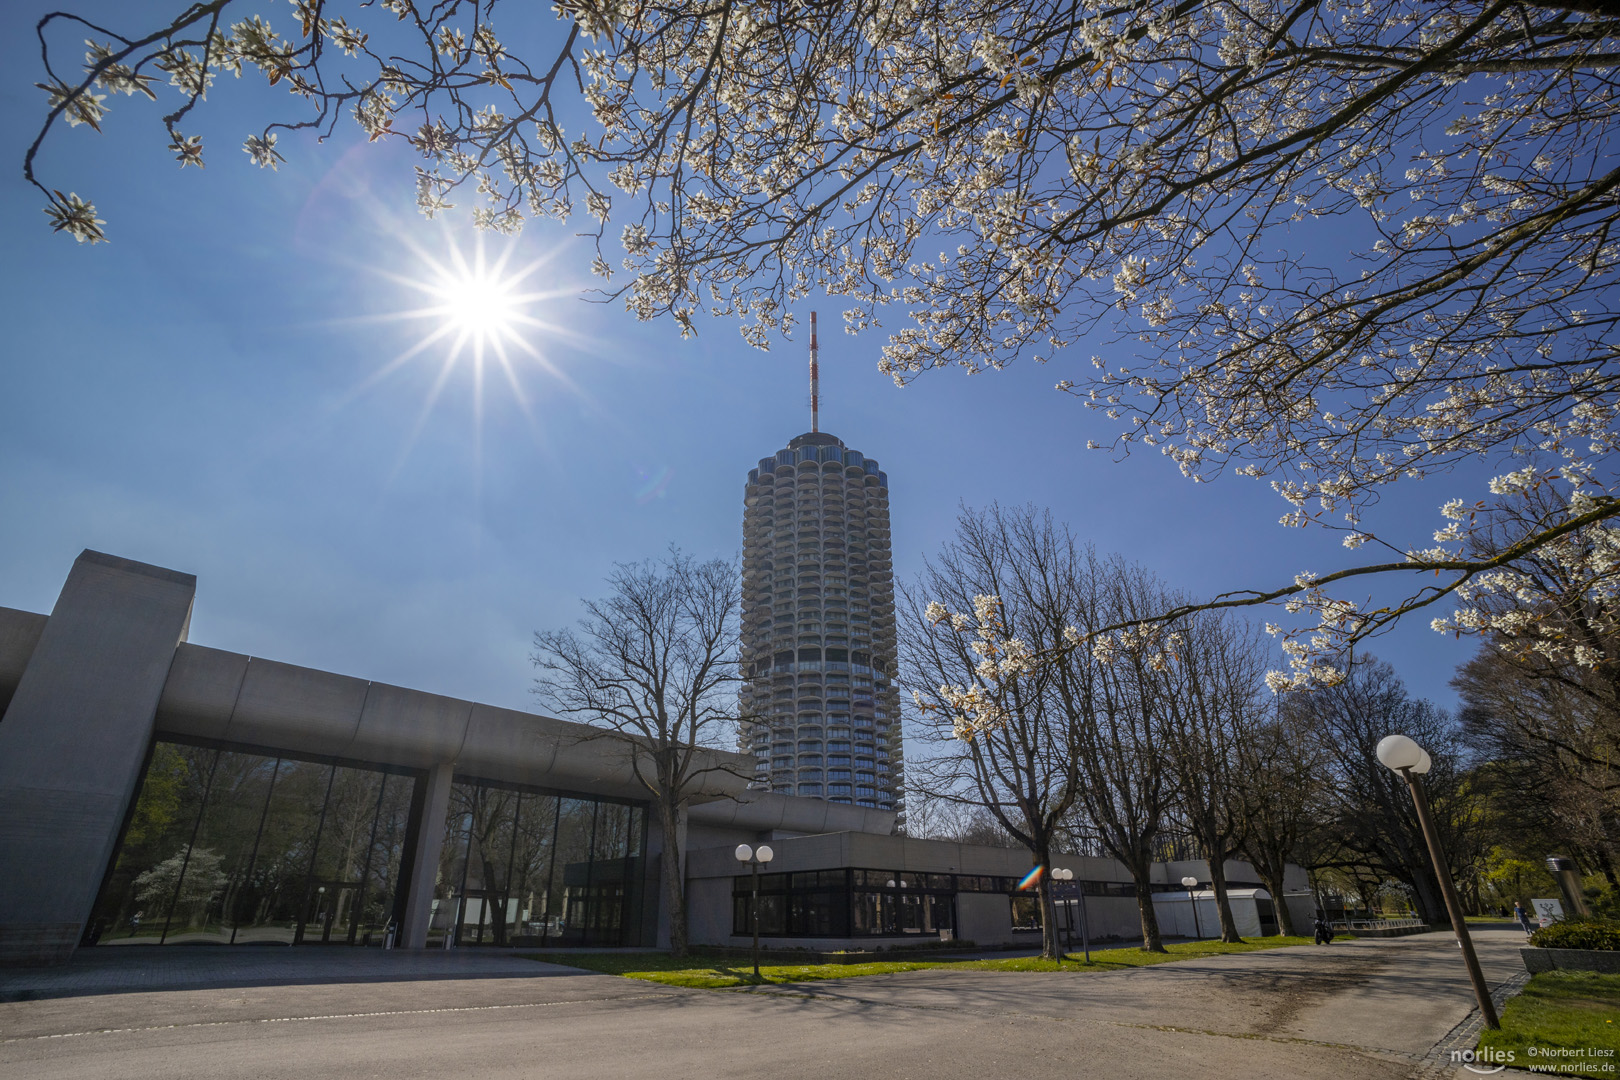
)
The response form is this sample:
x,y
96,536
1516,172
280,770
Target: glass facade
x,y
229,846
526,866
846,903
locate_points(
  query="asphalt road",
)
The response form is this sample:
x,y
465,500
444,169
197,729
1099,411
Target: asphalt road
x,y
1345,1011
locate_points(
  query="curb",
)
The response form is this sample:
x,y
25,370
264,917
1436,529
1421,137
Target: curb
x,y
1437,1062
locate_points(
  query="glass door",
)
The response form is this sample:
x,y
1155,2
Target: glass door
x,y
483,918
329,913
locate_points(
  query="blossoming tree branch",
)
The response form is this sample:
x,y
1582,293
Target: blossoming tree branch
x,y
1334,245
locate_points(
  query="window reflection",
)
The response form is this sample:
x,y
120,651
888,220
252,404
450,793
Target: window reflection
x,y
869,903
232,847
527,867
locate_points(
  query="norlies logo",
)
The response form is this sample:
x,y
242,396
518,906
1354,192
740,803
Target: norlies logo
x,y
1485,1060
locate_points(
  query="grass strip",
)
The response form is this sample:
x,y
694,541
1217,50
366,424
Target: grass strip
x,y
1565,1022
715,971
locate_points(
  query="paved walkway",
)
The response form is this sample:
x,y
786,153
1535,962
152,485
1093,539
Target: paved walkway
x,y
1373,1009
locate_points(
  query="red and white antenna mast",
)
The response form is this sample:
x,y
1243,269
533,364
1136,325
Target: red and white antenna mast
x,y
815,380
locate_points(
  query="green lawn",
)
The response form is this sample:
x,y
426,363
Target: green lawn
x,y
714,971
1563,1010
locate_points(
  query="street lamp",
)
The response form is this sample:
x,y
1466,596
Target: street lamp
x,y
1190,883
1060,874
1406,757
755,857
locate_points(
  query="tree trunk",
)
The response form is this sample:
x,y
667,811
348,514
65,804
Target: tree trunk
x,y
1604,865
497,922
1151,940
1285,919
1216,850
1223,903
1431,905
1050,949
669,814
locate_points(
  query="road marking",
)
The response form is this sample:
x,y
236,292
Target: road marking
x,y
331,1016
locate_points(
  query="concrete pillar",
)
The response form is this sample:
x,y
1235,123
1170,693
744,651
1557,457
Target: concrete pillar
x,y
73,742
425,858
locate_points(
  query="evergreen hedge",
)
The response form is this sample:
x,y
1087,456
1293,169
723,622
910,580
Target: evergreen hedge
x,y
1602,935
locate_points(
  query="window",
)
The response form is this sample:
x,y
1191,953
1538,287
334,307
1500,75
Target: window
x,y
1026,912
230,846
812,904
1109,888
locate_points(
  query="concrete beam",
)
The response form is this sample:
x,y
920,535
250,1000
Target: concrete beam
x,y
73,741
19,633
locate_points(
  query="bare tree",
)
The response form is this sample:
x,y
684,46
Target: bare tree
x,y
1025,772
955,821
1212,704
1114,692
1278,774
1372,818
652,662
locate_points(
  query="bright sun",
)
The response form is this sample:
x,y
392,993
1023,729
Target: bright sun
x,y
480,304
479,314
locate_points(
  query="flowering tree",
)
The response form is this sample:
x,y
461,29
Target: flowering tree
x,y
1336,245
1025,773
1048,738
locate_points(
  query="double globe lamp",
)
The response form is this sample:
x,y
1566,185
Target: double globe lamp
x,y
755,857
1061,874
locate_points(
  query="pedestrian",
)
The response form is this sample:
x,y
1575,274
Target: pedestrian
x,y
1523,918
1324,932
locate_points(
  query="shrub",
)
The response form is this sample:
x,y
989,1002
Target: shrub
x,y
1600,934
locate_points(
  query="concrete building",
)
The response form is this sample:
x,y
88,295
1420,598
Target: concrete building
x,y
839,890
154,791
818,629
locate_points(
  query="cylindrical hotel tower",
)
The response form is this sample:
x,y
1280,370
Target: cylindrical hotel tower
x,y
821,710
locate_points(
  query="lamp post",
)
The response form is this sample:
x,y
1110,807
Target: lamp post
x,y
1406,757
1190,883
1569,882
1060,874
755,857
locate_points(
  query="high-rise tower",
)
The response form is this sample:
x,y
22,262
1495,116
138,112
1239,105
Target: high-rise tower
x,y
818,623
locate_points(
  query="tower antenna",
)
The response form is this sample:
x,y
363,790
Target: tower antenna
x,y
815,380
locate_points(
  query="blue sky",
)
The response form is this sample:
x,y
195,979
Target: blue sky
x,y
199,394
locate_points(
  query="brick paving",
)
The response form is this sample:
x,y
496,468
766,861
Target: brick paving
x,y
1437,1064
